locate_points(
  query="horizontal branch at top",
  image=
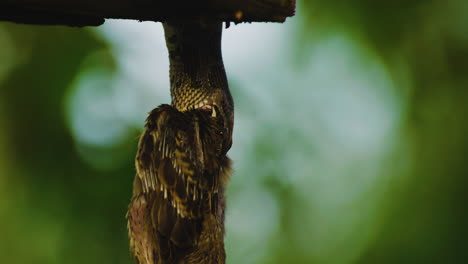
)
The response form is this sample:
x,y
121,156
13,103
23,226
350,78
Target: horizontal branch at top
x,y
93,12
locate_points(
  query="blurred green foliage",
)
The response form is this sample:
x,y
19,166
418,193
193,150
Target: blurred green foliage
x,y
319,179
424,217
55,208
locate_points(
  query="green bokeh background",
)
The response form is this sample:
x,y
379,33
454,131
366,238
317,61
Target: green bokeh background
x,y
350,146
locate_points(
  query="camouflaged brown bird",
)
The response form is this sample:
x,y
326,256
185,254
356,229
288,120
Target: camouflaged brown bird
x,y
176,215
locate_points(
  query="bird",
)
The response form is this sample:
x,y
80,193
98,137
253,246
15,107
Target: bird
x,y
177,210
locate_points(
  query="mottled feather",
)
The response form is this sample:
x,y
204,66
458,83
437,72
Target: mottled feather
x,y
180,163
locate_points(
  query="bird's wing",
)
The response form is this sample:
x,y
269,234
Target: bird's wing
x,y
179,161
177,157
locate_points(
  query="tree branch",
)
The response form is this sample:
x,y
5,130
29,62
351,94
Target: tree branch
x,y
93,12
